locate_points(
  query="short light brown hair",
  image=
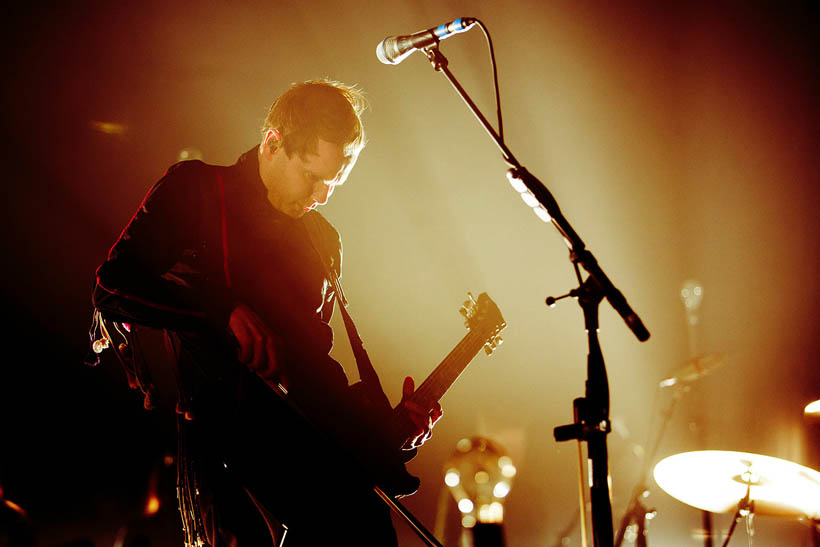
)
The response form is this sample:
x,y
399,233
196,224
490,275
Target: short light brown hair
x,y
318,109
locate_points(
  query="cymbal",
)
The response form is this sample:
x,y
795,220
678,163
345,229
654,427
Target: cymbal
x,y
716,481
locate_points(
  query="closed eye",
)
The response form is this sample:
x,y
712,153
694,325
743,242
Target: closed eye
x,y
313,179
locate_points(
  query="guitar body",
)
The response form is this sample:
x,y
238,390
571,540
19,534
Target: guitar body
x,y
382,455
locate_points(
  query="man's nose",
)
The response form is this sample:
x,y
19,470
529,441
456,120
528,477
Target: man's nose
x,y
322,193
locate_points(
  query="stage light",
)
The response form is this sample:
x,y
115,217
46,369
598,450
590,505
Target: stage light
x,y
507,467
189,153
691,293
479,475
108,128
501,489
465,505
452,478
152,505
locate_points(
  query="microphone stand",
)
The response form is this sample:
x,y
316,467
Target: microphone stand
x,y
591,412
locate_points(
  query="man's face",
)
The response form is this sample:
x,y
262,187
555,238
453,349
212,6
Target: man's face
x,y
299,184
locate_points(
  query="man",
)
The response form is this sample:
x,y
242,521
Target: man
x,y
239,271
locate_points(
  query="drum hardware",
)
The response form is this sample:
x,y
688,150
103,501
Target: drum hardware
x,y
743,483
637,513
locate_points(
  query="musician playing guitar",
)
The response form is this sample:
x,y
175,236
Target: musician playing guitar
x,y
239,273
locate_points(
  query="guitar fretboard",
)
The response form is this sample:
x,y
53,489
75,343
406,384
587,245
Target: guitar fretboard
x,y
448,371
484,324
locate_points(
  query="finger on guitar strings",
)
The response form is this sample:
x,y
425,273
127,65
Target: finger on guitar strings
x,y
421,416
435,414
407,388
417,413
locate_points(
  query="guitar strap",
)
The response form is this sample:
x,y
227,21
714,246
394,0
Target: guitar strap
x,y
367,374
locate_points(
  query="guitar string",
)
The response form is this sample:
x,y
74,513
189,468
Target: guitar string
x,y
452,366
443,373
430,389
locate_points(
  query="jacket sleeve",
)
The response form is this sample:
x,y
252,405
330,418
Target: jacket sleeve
x,y
137,283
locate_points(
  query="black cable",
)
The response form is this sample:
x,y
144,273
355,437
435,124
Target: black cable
x,y
495,78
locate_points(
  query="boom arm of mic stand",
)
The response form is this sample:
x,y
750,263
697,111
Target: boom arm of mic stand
x,y
584,257
572,239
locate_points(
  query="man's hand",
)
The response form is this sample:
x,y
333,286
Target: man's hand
x,y
257,349
424,418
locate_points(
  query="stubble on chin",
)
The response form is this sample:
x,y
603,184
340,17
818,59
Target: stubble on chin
x,y
297,211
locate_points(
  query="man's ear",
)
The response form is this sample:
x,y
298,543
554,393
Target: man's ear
x,y
271,142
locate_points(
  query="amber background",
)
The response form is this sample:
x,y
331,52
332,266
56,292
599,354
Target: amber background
x,y
679,139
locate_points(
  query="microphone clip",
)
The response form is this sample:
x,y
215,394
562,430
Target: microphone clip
x,y
436,58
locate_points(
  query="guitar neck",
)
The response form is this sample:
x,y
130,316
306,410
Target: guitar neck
x,y
440,380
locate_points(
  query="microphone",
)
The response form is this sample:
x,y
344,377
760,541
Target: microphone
x,y
395,49
694,369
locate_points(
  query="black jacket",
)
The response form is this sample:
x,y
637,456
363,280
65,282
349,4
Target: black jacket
x,y
206,238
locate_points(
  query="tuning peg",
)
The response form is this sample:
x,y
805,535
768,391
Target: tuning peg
x,y
469,307
491,344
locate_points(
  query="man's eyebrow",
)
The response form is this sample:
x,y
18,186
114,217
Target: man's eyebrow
x,y
314,177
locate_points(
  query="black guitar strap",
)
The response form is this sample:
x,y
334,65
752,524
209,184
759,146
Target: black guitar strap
x,y
367,374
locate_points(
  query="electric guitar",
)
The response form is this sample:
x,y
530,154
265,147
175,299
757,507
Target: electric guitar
x,y
386,429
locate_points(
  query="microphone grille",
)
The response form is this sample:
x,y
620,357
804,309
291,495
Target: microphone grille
x,y
387,52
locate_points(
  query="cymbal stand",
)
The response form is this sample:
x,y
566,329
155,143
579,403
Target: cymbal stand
x,y
636,512
745,510
691,295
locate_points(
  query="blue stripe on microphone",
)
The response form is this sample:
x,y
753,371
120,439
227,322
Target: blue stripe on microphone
x,y
446,29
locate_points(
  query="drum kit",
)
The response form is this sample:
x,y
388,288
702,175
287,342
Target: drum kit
x,y
720,481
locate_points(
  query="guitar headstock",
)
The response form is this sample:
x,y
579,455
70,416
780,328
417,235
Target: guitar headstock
x,y
484,317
